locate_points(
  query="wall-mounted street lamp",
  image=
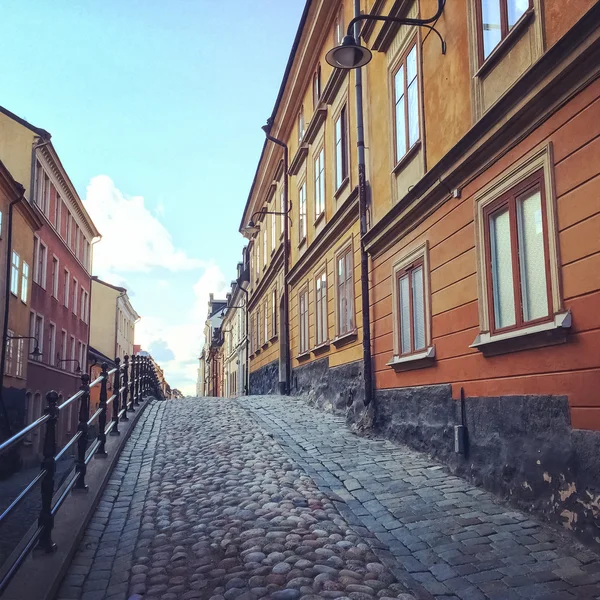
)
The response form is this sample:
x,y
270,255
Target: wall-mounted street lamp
x,y
68,360
351,55
36,353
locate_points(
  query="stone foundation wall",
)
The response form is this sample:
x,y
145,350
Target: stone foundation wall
x,y
337,389
520,447
265,380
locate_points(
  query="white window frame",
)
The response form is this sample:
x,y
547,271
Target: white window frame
x,y
20,359
321,309
64,344
67,288
302,224
56,276
319,166
25,282
417,253
52,349
15,266
303,321
8,359
75,306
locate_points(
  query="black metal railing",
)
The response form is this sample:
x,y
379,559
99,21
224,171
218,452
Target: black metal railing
x,y
132,381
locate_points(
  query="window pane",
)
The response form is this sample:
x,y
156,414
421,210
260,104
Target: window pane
x,y
411,65
516,9
492,32
418,309
502,275
403,288
413,113
339,153
532,257
400,116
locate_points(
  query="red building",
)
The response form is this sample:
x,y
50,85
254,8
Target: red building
x,y
60,304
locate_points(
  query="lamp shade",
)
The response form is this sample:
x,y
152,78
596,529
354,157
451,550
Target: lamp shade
x,y
251,228
349,55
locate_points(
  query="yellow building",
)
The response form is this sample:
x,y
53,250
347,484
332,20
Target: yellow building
x,y
113,319
315,117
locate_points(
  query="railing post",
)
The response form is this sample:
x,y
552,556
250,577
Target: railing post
x,y
101,452
142,378
132,385
146,372
46,520
126,386
116,390
136,380
84,415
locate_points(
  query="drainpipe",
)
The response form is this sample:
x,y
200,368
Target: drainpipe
x,y
284,386
11,207
362,210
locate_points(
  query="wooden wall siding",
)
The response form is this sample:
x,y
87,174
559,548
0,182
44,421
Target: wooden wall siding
x,y
572,369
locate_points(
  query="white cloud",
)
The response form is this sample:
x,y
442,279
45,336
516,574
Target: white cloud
x,y
133,239
185,339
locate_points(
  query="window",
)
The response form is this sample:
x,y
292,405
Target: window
x,y
32,342
39,333
411,308
273,233
80,355
301,128
274,313
338,28
78,242
43,190
266,333
345,292
321,308
303,312
75,290
51,343
516,246
257,246
0,224
63,345
341,149
73,365
57,206
66,290
14,274
320,183
302,227
316,87
495,18
82,312
406,99
25,282
265,242
55,276
20,359
258,328
69,229
8,360
282,209
40,254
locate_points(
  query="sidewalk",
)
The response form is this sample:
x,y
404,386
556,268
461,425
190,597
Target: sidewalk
x,y
458,541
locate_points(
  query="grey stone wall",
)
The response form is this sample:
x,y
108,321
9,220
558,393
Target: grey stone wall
x,y
337,389
520,447
265,380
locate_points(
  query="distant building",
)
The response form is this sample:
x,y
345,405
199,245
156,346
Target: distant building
x,y
211,363
113,320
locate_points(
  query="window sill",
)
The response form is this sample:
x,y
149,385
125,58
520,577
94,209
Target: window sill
x,y
345,338
265,344
407,157
273,338
303,355
537,336
302,242
505,45
417,360
319,217
342,187
322,347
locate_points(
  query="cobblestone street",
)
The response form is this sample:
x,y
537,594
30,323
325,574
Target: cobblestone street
x,y
268,497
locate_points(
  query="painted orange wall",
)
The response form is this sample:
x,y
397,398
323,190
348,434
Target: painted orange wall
x,y
571,369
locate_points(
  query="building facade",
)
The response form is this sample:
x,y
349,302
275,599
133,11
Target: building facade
x,y
211,358
235,334
18,222
112,329
61,267
481,238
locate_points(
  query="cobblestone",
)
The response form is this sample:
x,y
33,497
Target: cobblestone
x,y
217,510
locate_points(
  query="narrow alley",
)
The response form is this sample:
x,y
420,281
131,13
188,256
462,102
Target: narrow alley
x,y
266,497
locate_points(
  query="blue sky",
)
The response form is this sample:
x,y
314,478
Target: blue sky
x,y
155,109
